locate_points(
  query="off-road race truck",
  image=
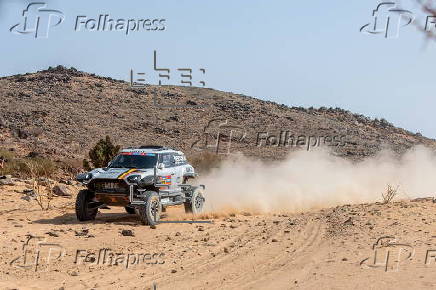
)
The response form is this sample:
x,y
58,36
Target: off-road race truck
x,y
144,180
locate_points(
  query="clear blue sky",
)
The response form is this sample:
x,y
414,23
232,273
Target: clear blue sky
x,y
300,53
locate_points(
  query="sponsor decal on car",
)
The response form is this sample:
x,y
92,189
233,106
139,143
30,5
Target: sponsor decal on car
x,y
138,153
122,175
165,180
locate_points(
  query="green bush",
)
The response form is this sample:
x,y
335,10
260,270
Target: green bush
x,y
103,152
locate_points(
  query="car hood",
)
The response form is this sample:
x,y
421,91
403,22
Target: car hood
x,y
119,173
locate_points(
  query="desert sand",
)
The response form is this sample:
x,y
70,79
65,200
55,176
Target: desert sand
x,y
330,248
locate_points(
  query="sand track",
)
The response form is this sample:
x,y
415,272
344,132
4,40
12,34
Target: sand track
x,y
315,249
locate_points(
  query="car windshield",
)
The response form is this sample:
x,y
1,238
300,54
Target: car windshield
x,y
134,161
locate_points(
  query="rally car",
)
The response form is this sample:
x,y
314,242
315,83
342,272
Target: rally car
x,y
145,180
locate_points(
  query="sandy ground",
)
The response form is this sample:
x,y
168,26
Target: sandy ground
x,y
335,248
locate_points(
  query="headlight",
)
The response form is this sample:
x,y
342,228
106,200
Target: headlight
x,y
84,176
133,178
148,180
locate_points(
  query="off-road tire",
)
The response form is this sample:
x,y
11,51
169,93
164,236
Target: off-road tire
x,y
83,213
196,203
130,210
150,212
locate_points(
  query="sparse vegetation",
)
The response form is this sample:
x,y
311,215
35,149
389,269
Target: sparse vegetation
x,y
103,152
5,159
389,194
20,167
41,185
71,167
38,129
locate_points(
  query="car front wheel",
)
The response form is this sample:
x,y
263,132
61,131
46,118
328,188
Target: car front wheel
x,y
150,212
83,211
196,203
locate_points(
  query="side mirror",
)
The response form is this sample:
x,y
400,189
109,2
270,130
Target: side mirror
x,y
160,166
109,163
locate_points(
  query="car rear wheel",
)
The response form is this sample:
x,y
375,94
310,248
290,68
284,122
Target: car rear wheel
x,y
150,212
83,211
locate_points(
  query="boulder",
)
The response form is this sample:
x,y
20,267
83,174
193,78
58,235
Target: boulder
x,y
67,182
28,194
6,181
61,190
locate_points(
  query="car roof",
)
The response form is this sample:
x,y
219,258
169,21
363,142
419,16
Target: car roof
x,y
150,150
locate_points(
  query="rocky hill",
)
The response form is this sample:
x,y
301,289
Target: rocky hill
x,y
62,112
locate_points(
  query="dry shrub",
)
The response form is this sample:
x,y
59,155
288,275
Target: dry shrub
x,y
6,154
71,167
6,157
38,169
41,167
390,194
42,186
19,167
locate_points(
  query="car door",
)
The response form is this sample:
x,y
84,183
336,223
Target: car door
x,y
167,174
179,164
177,174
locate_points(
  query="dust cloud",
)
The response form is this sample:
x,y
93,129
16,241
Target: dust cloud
x,y
315,179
